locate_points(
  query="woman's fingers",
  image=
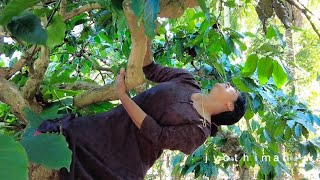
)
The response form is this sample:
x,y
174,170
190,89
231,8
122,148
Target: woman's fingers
x,y
120,81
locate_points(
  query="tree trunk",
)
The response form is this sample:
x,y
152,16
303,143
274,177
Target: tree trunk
x,y
38,172
295,19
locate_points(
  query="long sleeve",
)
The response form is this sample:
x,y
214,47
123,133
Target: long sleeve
x,y
158,73
186,138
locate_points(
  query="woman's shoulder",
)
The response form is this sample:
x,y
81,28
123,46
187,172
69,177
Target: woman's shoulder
x,y
190,83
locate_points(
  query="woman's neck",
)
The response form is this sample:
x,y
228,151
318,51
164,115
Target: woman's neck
x,y
210,105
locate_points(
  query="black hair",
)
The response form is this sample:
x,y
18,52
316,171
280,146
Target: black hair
x,y
229,117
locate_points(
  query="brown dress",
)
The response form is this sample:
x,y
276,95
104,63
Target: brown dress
x,y
110,146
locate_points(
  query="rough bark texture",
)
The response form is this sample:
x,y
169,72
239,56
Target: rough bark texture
x,y
10,95
35,78
37,172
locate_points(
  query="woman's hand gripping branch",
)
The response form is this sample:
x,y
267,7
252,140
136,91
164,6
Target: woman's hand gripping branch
x,y
134,111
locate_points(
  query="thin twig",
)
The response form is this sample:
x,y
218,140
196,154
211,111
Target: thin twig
x,y
87,7
52,14
305,12
307,9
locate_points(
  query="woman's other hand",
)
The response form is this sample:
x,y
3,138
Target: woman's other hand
x,y
120,83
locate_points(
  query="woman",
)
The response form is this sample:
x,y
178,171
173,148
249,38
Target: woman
x,y
124,142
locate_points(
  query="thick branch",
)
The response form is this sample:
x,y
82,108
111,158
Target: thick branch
x,y
40,67
134,73
10,95
105,93
85,8
62,10
4,72
80,85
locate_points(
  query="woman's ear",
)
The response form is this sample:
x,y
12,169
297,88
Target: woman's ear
x,y
230,106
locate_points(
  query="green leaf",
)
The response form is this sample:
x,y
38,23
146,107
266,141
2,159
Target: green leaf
x,y
287,134
250,65
14,8
137,7
179,49
248,114
308,166
27,27
279,74
303,148
48,149
280,128
13,159
176,159
56,31
313,151
265,68
273,146
50,112
231,3
316,141
305,132
254,125
273,32
265,167
303,120
298,130
290,123
316,119
239,83
97,39
266,135
151,10
121,22
203,6
241,162
36,119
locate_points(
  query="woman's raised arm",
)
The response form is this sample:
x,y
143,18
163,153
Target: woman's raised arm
x,y
158,73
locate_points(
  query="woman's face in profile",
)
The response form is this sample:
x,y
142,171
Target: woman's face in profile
x,y
225,93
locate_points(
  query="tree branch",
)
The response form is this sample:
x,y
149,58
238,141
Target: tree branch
x,y
307,9
87,7
7,73
80,85
62,10
305,12
134,74
10,95
40,66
